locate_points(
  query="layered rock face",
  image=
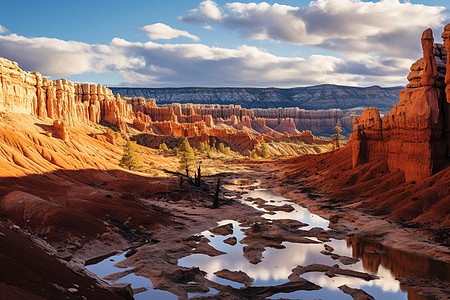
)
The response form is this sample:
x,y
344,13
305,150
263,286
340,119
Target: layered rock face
x,y
291,120
30,93
414,135
318,121
68,103
311,98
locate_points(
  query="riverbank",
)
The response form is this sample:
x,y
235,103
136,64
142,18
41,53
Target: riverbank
x,y
258,234
356,201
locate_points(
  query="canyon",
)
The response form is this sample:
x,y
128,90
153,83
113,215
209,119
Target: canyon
x,y
243,130
65,201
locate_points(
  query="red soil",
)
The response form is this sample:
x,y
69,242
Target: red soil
x,y
28,272
373,188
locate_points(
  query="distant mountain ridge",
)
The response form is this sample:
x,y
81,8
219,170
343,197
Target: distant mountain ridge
x,y
324,96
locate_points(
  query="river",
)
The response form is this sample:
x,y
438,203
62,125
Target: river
x,y
277,264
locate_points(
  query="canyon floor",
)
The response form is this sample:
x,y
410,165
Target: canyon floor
x,y
76,206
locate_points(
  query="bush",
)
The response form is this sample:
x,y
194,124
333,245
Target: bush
x,y
163,147
264,150
129,159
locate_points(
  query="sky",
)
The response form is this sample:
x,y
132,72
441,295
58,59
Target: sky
x,y
206,43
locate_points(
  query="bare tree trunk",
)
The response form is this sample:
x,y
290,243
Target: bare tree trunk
x,y
181,181
216,196
199,176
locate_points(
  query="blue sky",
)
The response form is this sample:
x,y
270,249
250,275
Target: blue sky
x,y
174,43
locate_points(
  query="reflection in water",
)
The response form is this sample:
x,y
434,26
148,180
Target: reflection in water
x,y
375,256
300,213
402,264
277,264
106,267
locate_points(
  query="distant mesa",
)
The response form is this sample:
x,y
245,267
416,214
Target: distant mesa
x,y
326,96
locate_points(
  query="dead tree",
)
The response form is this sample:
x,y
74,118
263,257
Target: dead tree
x,y
181,181
198,181
216,196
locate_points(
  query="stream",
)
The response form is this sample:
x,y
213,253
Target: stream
x,y
277,264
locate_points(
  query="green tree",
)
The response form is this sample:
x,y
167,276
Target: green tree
x,y
221,148
227,151
253,154
203,147
337,136
264,150
129,158
187,156
163,147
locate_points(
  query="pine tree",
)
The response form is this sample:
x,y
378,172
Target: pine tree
x,y
129,159
264,150
187,156
221,148
163,147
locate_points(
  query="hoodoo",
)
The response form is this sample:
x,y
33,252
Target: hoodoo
x,y
414,136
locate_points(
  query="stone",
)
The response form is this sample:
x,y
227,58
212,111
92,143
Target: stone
x,y
30,93
357,294
413,137
429,62
237,276
60,129
223,229
230,241
446,37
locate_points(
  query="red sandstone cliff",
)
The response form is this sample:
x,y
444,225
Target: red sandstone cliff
x,y
413,137
30,93
68,103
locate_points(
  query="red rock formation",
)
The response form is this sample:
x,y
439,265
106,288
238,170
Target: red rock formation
x,y
237,140
29,93
60,129
446,106
70,102
411,137
142,122
429,62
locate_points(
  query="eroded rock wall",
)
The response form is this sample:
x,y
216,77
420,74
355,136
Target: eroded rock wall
x,y
30,93
68,102
414,135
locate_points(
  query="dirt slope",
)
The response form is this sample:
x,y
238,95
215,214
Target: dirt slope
x,y
371,187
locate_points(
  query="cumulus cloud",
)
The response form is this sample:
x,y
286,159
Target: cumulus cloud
x,y
347,26
154,64
160,31
52,56
3,29
206,11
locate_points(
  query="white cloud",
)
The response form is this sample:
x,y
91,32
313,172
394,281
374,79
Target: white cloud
x,y
160,31
208,27
51,56
155,64
3,29
347,26
206,11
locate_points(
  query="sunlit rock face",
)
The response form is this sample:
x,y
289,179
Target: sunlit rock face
x,y
236,127
414,135
30,93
